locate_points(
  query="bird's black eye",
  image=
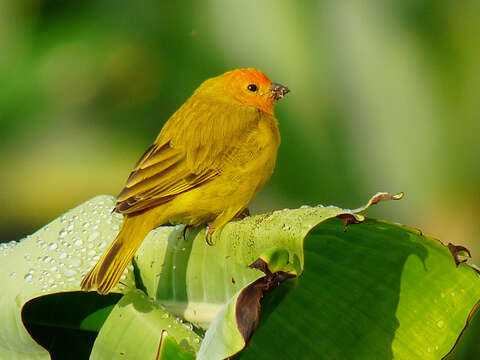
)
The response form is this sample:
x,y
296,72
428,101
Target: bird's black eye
x,y
252,87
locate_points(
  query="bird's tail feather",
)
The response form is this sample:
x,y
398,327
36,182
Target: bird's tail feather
x,y
107,272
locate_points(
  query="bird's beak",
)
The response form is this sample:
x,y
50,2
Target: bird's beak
x,y
278,91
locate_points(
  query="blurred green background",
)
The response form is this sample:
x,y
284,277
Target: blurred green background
x,y
385,97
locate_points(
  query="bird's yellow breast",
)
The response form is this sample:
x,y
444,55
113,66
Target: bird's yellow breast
x,y
246,167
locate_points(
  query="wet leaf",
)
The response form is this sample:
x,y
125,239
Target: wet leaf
x,y
377,289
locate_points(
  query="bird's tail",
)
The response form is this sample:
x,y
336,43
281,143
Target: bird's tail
x,y
107,272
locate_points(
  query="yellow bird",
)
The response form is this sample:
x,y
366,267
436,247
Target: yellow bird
x,y
210,159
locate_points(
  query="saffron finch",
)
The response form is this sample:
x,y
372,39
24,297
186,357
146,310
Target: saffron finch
x,y
210,159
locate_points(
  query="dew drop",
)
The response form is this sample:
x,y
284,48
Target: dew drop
x,y
62,233
440,323
78,243
28,277
52,246
69,273
46,259
12,274
75,262
62,255
93,236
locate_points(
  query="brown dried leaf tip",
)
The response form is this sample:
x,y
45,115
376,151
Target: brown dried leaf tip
x,y
248,307
384,196
347,220
354,217
460,253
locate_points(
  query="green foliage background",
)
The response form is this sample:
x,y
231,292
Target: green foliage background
x,y
384,97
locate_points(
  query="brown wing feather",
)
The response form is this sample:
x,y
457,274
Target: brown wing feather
x,y
159,175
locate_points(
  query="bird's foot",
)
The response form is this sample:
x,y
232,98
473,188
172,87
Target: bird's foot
x,y
209,233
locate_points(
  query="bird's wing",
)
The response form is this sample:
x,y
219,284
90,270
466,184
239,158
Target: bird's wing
x,y
160,174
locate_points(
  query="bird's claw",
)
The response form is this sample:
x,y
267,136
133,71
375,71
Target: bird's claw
x,y
208,235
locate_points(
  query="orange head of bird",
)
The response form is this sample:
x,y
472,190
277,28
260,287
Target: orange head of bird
x,y
248,87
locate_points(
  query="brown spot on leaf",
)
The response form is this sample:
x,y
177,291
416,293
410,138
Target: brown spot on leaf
x,y
456,250
261,265
233,280
347,220
248,307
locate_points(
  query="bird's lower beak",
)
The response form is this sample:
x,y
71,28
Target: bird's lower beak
x,y
278,91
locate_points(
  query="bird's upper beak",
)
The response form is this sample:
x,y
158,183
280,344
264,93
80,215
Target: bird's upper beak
x,y
278,91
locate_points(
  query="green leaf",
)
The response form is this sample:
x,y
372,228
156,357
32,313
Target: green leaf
x,y
375,290
134,331
52,260
197,281
75,310
170,350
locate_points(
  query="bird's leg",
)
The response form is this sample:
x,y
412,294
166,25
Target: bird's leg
x,y
218,223
209,233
